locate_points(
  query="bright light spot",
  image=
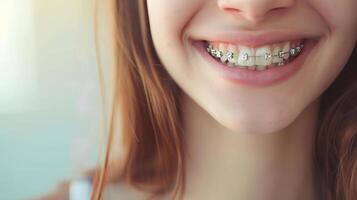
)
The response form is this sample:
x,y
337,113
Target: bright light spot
x,y
17,55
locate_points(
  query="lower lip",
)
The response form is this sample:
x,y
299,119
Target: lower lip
x,y
269,77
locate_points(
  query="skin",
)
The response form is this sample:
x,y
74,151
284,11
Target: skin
x,y
247,142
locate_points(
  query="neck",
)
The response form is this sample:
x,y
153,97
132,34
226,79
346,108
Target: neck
x,y
222,164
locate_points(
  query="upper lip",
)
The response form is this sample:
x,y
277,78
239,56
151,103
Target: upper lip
x,y
255,39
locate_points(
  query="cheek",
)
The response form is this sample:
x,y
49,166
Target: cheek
x,y
168,32
336,53
169,17
340,15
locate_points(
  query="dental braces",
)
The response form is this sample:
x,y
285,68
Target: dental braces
x,y
230,55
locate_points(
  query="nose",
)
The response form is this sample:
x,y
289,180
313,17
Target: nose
x,y
253,10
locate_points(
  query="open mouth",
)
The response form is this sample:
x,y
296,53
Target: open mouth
x,y
259,59
264,65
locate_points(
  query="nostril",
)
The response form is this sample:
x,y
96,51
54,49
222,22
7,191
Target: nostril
x,y
278,9
232,10
255,10
255,15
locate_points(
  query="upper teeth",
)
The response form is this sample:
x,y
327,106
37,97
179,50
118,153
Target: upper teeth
x,y
236,55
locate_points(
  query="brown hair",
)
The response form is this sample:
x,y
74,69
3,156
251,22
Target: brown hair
x,y
148,103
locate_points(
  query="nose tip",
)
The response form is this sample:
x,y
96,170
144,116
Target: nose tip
x,y
253,10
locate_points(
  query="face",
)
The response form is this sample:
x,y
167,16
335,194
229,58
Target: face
x,y
253,65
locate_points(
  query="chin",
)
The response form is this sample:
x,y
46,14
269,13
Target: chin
x,y
247,123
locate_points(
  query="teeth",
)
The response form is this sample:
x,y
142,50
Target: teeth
x,y
246,57
232,55
223,49
263,56
286,50
261,68
276,50
259,59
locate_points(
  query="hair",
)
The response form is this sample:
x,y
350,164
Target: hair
x,y
147,102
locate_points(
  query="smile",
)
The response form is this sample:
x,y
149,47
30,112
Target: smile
x,y
259,59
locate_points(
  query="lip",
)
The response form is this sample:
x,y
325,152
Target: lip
x,y
254,39
269,77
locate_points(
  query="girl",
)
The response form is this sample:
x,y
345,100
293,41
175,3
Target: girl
x,y
233,99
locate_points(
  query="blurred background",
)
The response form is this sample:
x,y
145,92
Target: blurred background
x,y
50,104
